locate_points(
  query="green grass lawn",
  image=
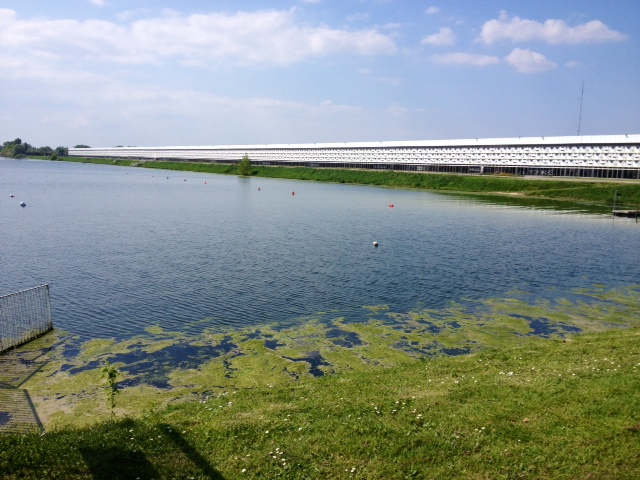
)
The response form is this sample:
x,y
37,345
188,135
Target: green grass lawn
x,y
542,409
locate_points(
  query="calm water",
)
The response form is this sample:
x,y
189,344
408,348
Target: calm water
x,y
126,248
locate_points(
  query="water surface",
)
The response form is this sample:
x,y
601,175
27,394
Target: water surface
x,y
128,248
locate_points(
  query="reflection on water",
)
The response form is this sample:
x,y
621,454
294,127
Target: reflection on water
x,y
521,201
127,248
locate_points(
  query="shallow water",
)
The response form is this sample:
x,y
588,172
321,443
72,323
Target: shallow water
x,y
128,248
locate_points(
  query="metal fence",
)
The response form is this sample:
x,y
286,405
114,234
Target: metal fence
x,y
24,316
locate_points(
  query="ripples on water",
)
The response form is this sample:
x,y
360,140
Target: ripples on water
x,y
126,248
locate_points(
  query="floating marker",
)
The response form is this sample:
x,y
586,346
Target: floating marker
x,y
375,244
293,193
12,195
391,205
22,204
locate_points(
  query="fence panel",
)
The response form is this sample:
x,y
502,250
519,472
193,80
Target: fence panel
x,y
24,316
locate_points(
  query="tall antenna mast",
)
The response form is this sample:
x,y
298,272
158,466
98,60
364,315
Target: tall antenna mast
x,y
580,116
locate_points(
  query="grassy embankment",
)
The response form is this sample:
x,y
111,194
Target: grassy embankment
x,y
524,406
542,409
592,191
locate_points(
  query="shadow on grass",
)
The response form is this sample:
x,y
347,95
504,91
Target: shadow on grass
x,y
192,454
115,462
115,459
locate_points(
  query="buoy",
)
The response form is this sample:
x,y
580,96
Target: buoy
x,y
12,195
22,204
293,193
258,188
205,183
391,205
375,244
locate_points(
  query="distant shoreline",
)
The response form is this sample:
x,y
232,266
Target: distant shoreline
x,y
599,192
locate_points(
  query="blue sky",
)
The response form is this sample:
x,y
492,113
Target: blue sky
x,y
189,72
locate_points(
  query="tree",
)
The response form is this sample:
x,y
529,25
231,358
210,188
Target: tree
x,y
244,166
82,146
18,149
62,151
9,150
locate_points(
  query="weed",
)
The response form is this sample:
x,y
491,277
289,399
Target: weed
x,y
110,374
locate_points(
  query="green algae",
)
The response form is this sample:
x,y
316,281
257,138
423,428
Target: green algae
x,y
68,389
157,346
154,330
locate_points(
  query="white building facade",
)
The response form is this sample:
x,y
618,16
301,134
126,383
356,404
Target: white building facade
x,y
601,156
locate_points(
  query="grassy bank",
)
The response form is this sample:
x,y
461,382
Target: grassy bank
x,y
523,403
542,409
601,193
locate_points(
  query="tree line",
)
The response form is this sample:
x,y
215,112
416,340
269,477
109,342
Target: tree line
x,y
19,149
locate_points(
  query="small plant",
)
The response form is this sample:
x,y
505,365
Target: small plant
x,y
110,373
244,166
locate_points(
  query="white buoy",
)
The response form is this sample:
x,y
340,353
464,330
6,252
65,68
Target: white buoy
x,y
22,204
375,244
12,195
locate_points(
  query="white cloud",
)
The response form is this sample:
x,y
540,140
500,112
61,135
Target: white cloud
x,y
99,3
461,58
445,36
526,61
432,10
397,110
262,37
551,31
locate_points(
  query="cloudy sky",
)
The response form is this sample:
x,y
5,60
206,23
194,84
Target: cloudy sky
x,y
198,72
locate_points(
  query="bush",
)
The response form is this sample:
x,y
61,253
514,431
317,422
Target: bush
x,y
244,166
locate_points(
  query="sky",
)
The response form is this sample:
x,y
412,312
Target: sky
x,y
193,72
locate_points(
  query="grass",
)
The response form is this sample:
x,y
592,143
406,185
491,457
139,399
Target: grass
x,y
542,409
592,191
520,405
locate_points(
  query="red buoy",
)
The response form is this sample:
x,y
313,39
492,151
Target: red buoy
x,y
391,205
293,193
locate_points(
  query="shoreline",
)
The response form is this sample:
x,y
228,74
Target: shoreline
x,y
599,193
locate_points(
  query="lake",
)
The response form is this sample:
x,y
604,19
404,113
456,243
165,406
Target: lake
x,y
126,248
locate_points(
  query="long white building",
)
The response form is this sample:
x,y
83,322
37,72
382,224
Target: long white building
x,y
602,156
